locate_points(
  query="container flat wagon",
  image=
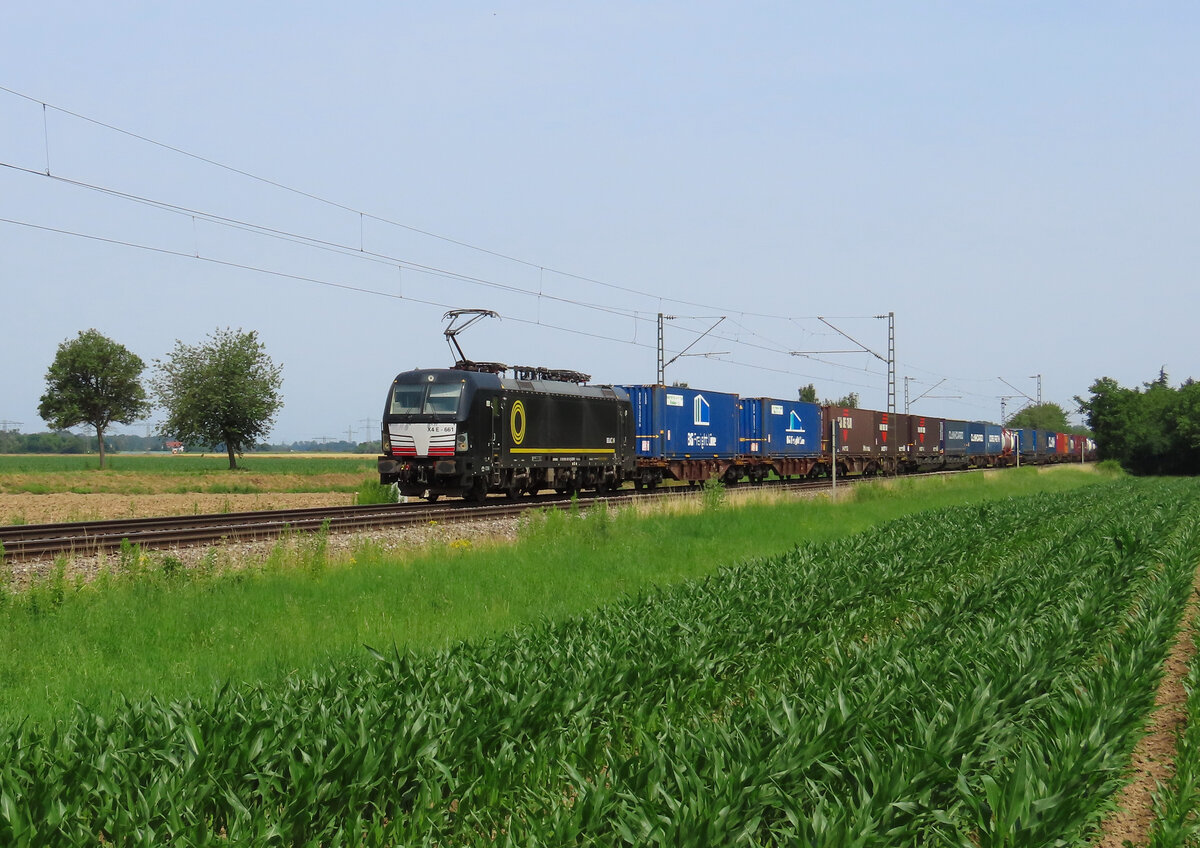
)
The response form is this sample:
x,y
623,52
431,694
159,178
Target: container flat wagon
x,y
682,433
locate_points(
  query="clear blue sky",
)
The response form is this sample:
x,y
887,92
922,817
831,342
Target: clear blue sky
x,y
1018,182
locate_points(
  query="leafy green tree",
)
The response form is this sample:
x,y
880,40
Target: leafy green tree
x,y
850,401
1041,416
808,393
1187,426
1151,430
225,391
93,380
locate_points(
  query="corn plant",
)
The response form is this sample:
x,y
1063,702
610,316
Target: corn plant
x,y
971,676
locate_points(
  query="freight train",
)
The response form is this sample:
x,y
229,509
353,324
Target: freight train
x,y
471,430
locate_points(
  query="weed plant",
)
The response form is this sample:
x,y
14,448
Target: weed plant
x,y
373,492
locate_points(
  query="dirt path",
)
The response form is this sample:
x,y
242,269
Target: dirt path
x,y
1154,757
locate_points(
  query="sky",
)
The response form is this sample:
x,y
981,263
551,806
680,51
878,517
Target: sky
x,y
1017,183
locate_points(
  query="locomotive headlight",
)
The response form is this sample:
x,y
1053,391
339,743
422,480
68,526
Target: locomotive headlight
x,y
386,443
461,445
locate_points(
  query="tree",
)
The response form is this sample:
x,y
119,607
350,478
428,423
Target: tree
x,y
225,391
850,401
1040,416
808,393
1149,430
93,380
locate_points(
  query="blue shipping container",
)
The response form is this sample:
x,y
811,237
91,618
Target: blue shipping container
x,y
1027,441
771,427
976,440
993,436
674,422
955,438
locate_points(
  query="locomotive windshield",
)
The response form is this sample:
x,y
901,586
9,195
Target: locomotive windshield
x,y
426,398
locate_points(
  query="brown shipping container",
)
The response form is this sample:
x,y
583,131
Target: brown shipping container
x,y
926,439
857,430
917,436
887,428
902,429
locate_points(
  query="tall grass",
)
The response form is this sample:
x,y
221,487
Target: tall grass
x,y
150,627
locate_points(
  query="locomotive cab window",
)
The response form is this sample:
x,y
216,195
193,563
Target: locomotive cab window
x,y
443,400
426,398
407,400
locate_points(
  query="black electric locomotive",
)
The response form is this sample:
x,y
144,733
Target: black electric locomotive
x,y
462,431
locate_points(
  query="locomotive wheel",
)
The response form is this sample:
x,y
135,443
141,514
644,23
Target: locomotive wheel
x,y
432,496
513,492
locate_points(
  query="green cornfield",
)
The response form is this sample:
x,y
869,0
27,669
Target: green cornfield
x,y
968,676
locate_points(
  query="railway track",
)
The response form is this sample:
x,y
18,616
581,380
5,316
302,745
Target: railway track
x,y
87,538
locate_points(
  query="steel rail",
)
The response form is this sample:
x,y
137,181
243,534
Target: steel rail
x,y
85,538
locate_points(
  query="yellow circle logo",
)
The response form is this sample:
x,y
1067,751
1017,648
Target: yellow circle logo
x,y
517,422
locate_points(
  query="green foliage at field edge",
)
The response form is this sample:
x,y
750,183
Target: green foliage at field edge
x,y
150,627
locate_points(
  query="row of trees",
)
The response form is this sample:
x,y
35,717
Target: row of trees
x,y
225,390
1152,429
61,442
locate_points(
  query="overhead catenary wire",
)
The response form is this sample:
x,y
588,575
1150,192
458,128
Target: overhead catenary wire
x,y
382,258
353,210
346,286
635,314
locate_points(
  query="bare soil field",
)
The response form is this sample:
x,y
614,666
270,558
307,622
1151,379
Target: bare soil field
x,y
51,508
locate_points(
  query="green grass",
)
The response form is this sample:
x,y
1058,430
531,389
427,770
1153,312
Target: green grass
x,y
150,627
974,675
